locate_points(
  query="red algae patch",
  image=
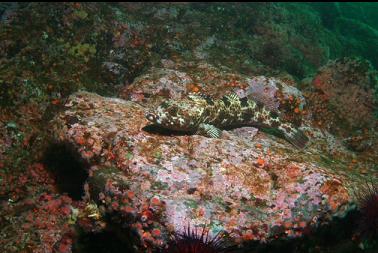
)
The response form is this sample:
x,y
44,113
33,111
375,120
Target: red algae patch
x,y
336,192
255,181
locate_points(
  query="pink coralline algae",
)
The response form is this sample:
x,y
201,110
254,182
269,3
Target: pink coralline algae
x,y
266,90
251,186
159,82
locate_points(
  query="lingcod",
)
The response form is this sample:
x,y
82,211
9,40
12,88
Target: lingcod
x,y
203,115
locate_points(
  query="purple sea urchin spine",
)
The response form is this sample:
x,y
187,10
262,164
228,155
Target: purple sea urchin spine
x,y
367,199
193,241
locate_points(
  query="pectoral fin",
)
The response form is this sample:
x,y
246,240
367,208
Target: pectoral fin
x,y
232,96
209,131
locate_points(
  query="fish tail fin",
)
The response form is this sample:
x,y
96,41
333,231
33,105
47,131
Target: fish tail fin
x,y
295,137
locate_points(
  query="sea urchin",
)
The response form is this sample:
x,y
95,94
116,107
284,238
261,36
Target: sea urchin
x,y
368,206
192,241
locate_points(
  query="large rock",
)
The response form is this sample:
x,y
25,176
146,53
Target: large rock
x,y
249,184
178,79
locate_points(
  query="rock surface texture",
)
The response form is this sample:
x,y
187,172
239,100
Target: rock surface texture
x,y
249,184
81,172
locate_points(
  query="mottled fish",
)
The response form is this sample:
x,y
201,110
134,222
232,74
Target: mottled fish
x,y
203,115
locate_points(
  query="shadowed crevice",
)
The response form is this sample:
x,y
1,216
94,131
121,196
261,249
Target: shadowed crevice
x,y
103,242
68,168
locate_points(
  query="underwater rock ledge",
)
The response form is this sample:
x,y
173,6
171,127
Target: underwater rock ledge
x,y
249,184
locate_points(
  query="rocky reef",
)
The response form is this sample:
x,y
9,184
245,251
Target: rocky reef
x,y
79,160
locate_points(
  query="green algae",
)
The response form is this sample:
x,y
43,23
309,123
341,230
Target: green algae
x,y
158,185
82,51
190,203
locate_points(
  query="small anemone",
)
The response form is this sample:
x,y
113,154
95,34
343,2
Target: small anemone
x,y
193,241
367,198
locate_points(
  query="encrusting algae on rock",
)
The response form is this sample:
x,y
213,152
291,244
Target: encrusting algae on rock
x,y
203,115
251,187
86,172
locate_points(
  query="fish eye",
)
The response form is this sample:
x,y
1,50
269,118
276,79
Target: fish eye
x,y
151,116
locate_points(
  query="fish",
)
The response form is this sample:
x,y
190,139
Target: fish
x,y
203,115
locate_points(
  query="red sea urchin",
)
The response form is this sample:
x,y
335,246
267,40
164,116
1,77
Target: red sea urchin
x,y
191,241
368,205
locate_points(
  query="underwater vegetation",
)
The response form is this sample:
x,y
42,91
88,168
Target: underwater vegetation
x,y
83,170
